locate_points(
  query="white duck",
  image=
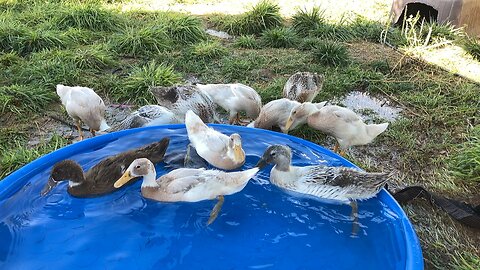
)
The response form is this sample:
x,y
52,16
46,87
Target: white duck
x,y
148,115
83,105
234,98
275,114
186,184
342,123
303,86
222,151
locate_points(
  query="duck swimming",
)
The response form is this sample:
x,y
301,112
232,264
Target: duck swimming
x,y
341,184
234,98
303,86
342,123
83,105
186,184
99,179
180,99
222,151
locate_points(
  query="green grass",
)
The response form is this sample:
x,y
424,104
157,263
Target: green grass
x,y
207,50
472,46
264,15
331,53
278,38
465,163
247,42
20,154
89,17
146,41
184,29
21,99
305,21
137,84
94,57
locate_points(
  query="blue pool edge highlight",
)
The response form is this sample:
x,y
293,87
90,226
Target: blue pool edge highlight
x,y
12,183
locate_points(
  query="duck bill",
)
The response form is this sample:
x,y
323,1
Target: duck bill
x,y
289,123
237,152
49,186
261,163
127,176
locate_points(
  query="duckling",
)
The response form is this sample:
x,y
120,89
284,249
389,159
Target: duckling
x,y
99,179
180,99
342,123
275,114
234,98
186,184
303,86
341,184
83,105
222,151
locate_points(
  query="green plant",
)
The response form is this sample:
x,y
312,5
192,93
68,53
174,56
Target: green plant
x,y
93,57
88,17
9,59
308,43
278,38
248,42
145,41
331,53
472,46
465,163
264,15
185,29
366,29
304,21
208,50
20,155
21,98
136,86
338,31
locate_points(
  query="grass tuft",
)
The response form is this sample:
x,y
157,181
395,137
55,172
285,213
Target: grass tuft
x,y
466,163
19,99
472,46
137,85
208,50
10,59
265,15
15,158
279,38
137,42
331,53
185,29
247,42
88,17
304,21
93,57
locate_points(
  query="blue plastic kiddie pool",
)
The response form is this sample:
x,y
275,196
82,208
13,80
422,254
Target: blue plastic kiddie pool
x,y
261,227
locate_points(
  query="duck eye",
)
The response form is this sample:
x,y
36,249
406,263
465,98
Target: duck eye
x,y
273,154
138,166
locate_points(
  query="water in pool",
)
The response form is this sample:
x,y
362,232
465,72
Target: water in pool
x,y
260,227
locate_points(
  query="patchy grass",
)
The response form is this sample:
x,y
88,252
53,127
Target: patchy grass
x,y
20,155
207,50
472,46
88,16
331,53
146,41
278,38
305,21
185,29
465,164
20,99
137,84
247,42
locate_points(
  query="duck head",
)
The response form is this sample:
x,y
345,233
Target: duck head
x,y
61,171
280,155
235,146
139,167
299,114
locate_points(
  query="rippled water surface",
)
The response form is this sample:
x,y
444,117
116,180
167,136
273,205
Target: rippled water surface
x,y
260,227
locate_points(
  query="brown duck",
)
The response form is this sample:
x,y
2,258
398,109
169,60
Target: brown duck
x,y
100,178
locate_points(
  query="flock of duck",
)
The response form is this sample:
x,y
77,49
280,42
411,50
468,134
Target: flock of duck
x,y
196,105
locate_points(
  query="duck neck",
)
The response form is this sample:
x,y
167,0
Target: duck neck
x,y
150,180
283,165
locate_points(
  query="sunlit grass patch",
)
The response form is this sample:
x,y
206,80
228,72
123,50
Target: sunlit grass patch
x,y
136,85
305,21
146,41
465,164
184,29
88,16
208,50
